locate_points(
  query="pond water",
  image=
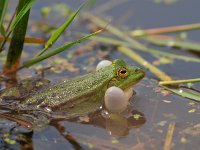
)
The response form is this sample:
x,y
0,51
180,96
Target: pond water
x,y
154,112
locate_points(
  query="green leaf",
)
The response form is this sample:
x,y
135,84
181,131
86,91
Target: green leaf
x,y
184,92
24,10
3,7
2,30
56,34
56,51
17,42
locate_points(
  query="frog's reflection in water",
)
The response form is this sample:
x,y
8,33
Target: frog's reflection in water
x,y
119,125
116,124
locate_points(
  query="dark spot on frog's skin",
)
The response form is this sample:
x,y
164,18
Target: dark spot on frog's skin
x,y
39,102
53,95
43,106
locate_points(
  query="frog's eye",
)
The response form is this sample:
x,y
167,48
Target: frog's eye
x,y
122,72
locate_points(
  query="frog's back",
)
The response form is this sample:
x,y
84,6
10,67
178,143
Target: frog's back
x,y
70,91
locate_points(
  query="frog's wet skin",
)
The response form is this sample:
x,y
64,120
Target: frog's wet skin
x,y
83,94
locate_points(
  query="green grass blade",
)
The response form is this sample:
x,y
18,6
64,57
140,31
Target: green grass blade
x,y
3,7
24,10
56,51
179,81
187,93
17,42
2,30
56,34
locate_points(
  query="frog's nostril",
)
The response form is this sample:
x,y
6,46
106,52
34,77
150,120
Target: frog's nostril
x,y
139,70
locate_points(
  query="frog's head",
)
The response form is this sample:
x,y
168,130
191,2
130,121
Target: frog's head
x,y
126,76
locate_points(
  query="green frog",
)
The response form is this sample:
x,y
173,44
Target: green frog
x,y
83,94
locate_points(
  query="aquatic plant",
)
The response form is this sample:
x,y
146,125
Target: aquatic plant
x,y
16,34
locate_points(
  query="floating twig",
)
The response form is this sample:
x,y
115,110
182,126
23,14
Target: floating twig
x,y
151,51
166,29
169,136
162,40
179,81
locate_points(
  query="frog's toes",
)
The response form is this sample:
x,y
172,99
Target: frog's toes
x,y
116,100
103,64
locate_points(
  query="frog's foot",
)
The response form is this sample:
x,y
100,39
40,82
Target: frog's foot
x,y
19,121
24,89
34,120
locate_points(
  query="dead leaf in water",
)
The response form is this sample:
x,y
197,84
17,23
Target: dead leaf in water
x,y
194,131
